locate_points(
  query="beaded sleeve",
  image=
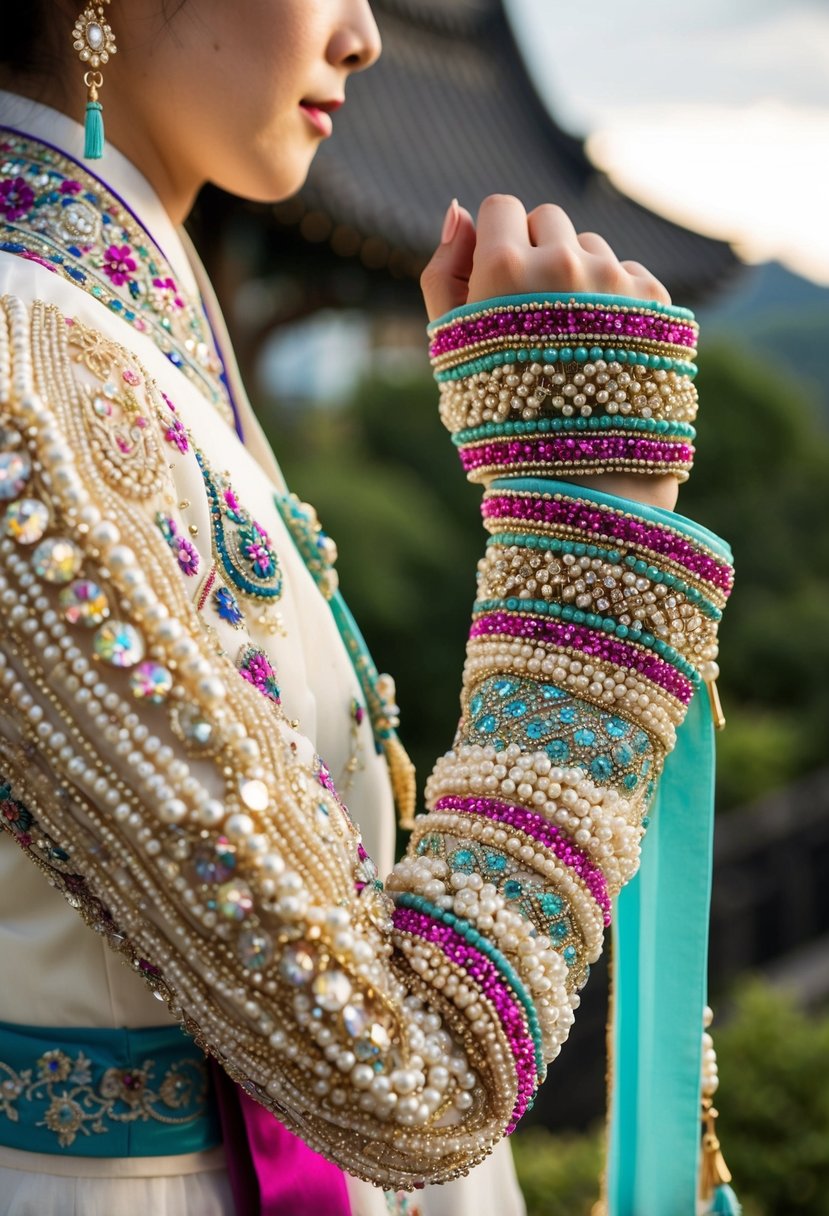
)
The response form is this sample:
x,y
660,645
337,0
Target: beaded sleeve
x,y
399,1032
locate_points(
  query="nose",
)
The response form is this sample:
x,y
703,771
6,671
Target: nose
x,y
356,44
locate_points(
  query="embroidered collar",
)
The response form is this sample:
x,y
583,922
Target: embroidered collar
x,y
53,211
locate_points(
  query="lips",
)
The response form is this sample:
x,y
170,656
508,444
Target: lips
x,y
319,114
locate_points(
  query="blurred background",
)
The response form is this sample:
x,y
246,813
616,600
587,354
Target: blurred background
x,y
695,141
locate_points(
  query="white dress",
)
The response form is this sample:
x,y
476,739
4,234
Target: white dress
x,y
64,975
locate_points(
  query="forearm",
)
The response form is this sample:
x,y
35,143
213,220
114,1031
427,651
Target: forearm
x,y
594,624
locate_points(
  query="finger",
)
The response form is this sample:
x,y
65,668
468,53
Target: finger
x,y
646,285
591,242
445,279
550,224
502,247
502,220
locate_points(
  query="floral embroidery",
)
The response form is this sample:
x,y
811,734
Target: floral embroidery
x,y
187,555
71,1101
119,264
54,1066
174,430
227,607
14,812
167,527
54,212
244,548
255,667
16,198
166,295
127,449
176,435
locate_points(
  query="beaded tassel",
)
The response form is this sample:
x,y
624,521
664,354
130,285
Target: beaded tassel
x,y
714,1174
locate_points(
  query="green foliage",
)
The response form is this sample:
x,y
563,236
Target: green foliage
x,y
774,1103
773,1126
559,1174
761,479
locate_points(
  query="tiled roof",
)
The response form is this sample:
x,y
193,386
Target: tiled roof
x,y
450,109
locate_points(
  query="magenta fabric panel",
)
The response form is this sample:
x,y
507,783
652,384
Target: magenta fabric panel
x,y
271,1171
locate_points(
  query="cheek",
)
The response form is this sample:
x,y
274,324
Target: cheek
x,y
239,75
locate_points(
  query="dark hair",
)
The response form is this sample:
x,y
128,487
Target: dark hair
x,y
23,46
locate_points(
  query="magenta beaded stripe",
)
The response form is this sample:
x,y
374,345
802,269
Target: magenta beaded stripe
x,y
587,641
570,323
491,983
576,449
540,829
613,525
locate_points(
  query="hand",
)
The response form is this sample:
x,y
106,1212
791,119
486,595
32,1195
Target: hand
x,y
511,253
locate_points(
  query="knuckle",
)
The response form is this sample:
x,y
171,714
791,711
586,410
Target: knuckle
x,y
430,275
496,200
567,262
506,261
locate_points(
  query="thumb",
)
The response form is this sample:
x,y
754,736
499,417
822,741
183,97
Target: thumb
x,y
445,279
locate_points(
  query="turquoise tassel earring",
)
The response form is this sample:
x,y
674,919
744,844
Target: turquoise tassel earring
x,y
95,43
93,147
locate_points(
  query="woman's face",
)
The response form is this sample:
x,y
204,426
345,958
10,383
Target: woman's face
x,y
233,93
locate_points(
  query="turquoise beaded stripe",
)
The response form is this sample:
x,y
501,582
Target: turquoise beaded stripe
x,y
604,624
566,354
530,541
602,422
542,299
476,939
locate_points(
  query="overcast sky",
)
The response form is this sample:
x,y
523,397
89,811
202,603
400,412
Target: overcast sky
x,y
715,113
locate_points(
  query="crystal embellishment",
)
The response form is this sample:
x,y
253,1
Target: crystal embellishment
x,y
151,682
298,964
215,862
57,560
332,990
234,900
255,948
194,727
84,603
355,1020
15,471
119,644
26,520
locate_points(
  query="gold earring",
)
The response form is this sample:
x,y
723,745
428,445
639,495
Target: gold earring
x,y
94,41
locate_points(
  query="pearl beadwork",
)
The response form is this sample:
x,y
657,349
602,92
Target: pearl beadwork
x,y
401,1032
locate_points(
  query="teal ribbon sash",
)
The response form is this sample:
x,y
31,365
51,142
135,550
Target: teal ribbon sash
x,y
91,1092
660,961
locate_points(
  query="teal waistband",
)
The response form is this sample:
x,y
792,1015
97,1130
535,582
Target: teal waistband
x,y
104,1093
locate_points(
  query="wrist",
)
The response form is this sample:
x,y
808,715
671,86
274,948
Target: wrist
x,y
661,490
570,386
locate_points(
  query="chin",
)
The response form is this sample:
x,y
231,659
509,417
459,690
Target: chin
x,y
268,172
